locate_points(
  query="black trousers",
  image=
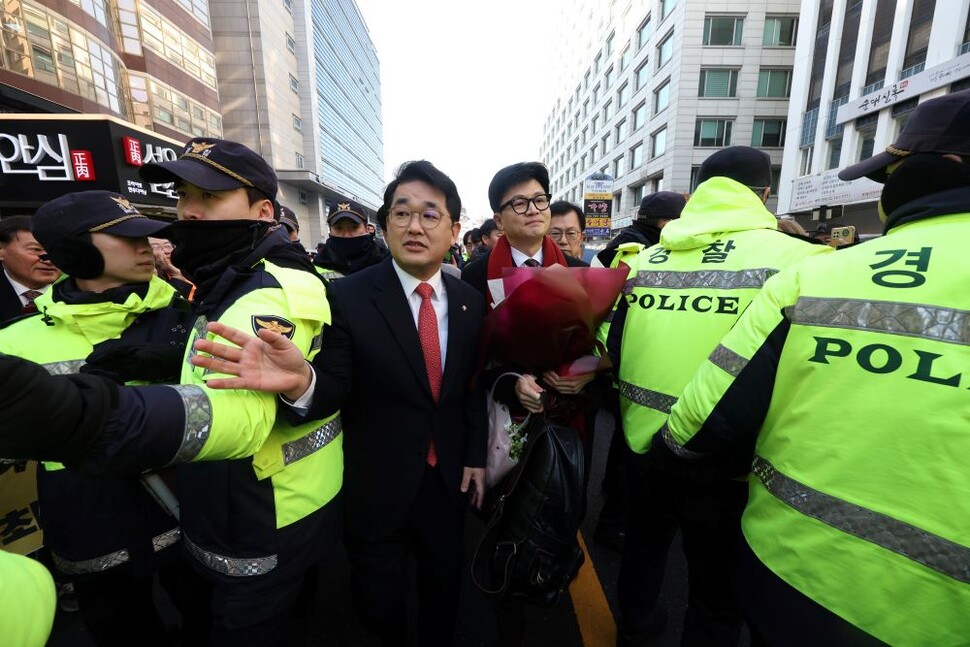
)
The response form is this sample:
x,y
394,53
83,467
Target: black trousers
x,y
709,522
431,533
613,514
780,615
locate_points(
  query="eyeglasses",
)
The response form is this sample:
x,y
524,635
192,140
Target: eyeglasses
x,y
572,235
521,205
401,217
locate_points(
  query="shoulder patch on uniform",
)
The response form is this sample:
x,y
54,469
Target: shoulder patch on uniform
x,y
274,323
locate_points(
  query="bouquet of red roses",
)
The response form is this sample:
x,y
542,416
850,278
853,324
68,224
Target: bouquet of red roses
x,y
549,317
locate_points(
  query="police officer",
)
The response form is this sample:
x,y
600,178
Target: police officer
x,y
258,507
656,210
27,601
350,247
856,525
684,294
106,535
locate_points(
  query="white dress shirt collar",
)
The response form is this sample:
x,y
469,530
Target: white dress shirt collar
x,y
519,258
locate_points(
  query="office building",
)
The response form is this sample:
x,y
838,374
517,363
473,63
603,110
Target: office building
x,y
300,83
653,87
861,68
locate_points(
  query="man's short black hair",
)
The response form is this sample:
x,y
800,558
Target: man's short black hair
x,y
469,236
562,207
487,228
515,174
10,227
476,236
421,171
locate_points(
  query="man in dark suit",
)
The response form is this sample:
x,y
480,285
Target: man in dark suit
x,y
25,275
398,362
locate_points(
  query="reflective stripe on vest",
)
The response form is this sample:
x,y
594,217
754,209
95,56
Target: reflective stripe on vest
x,y
312,442
242,567
198,421
69,367
909,319
727,360
117,558
676,447
720,279
646,397
932,551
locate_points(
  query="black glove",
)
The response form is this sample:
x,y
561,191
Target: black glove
x,y
123,362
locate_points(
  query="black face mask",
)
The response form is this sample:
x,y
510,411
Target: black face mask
x,y
350,248
212,244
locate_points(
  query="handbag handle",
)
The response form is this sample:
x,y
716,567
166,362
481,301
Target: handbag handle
x,y
491,393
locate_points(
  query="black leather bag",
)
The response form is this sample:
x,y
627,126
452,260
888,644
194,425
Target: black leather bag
x,y
530,548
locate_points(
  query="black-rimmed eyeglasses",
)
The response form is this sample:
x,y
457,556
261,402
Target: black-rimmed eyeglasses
x,y
521,205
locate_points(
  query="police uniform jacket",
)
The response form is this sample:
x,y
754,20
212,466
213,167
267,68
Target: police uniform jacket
x,y
850,372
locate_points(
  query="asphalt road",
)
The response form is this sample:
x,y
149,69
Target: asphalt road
x,y
583,619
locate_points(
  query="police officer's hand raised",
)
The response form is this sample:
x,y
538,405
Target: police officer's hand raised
x,y
269,362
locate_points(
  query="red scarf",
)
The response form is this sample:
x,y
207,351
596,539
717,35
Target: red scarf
x,y
501,257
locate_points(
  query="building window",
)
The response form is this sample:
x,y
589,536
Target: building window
x,y
713,132
294,84
665,50
604,146
609,45
639,116
866,127
666,6
623,95
300,161
297,124
694,172
592,154
636,156
643,33
882,30
657,183
643,75
835,152
768,133
919,37
723,31
596,63
780,31
638,192
661,97
805,165
774,84
288,5
607,110
658,143
719,83
618,169
585,134
903,110
290,44
596,94
620,131
625,58
608,80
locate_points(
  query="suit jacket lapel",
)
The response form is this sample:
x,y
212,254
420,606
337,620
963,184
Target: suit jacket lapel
x,y
393,306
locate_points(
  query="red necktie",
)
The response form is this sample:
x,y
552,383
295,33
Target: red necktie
x,y
428,333
30,295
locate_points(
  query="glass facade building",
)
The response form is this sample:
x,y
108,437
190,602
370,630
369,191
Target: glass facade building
x,y
150,63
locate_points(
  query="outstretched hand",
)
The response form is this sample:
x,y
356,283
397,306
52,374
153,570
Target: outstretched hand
x,y
269,362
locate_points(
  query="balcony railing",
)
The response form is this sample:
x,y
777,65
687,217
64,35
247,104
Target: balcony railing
x,y
874,87
911,70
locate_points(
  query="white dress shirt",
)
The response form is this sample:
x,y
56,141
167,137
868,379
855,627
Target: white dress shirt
x,y
20,288
519,258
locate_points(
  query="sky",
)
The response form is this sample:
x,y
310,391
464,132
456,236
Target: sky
x,y
465,84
